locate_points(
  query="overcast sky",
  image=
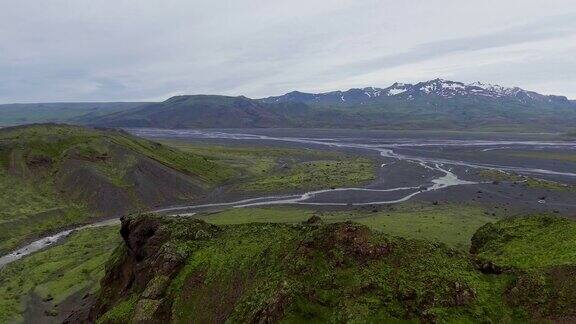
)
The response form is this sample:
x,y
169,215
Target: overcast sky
x,y
111,50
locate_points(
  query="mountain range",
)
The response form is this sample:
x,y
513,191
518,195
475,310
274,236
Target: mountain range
x,y
437,88
434,104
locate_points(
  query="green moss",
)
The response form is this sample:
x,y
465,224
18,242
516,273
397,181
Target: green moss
x,y
315,274
321,174
528,242
345,272
121,313
76,265
29,208
539,251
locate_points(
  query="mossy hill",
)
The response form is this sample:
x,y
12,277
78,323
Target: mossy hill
x,y
183,270
53,176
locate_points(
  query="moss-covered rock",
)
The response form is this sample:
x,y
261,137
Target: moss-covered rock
x,y
303,272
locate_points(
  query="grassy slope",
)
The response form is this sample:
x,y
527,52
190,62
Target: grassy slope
x,y
259,169
453,225
30,199
55,141
27,208
74,266
529,243
541,251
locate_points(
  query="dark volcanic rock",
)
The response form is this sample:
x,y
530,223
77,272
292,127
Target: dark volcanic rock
x,y
313,220
145,264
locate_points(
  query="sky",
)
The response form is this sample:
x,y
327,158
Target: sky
x,y
133,50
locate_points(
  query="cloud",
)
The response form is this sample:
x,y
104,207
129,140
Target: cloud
x,y
548,28
109,50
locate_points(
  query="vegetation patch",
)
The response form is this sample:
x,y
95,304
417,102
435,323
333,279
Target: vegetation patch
x,y
539,251
315,175
452,224
73,267
528,182
528,242
28,208
122,312
257,169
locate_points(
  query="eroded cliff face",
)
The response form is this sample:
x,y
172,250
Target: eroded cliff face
x,y
144,266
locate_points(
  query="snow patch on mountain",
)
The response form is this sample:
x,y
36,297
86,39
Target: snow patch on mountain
x,y
393,92
494,89
397,88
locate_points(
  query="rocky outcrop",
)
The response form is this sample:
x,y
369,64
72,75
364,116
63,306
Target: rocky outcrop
x,y
152,272
143,267
351,238
175,269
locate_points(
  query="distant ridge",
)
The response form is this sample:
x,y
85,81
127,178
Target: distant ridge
x,y
29,113
430,105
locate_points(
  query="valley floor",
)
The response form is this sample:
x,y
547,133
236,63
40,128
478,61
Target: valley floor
x,y
509,174
438,188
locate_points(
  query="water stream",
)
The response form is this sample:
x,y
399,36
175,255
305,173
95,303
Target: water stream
x,y
49,240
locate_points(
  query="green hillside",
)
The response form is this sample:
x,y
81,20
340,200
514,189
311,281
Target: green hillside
x,y
53,176
190,271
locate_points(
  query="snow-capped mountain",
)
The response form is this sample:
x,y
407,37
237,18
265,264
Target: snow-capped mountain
x,y
436,104
436,89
